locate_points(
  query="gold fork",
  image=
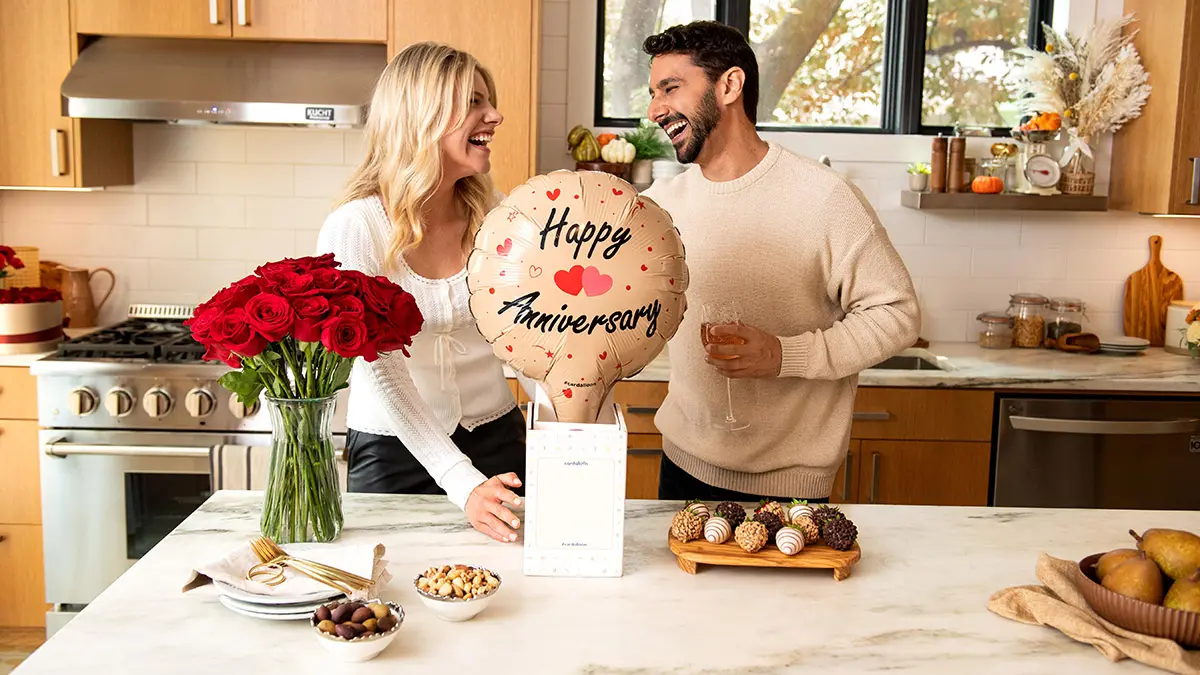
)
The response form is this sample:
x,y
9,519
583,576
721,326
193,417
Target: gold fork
x,y
274,559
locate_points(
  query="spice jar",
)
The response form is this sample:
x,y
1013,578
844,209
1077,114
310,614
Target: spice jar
x,y
1066,316
995,330
1029,321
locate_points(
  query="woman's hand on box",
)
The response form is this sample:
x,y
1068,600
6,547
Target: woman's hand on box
x,y
486,508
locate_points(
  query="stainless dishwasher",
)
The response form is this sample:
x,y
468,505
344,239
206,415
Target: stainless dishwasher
x,y
1111,453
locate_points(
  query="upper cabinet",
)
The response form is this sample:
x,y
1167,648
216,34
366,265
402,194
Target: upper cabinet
x,y
1156,158
504,36
38,146
311,20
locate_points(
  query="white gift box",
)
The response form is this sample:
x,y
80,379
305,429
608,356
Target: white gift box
x,y
574,493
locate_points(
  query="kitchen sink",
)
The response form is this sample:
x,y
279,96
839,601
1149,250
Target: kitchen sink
x,y
903,362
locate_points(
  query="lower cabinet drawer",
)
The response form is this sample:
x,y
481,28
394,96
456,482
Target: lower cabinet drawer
x,y
22,579
641,467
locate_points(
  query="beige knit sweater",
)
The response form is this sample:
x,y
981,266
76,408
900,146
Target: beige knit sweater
x,y
800,249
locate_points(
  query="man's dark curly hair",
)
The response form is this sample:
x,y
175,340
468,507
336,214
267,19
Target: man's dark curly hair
x,y
714,47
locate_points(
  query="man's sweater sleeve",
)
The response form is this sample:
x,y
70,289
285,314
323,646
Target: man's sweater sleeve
x,y
873,287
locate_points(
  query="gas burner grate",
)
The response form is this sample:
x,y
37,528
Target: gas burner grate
x,y
155,340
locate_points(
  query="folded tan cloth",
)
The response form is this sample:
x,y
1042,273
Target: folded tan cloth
x,y
1060,605
364,560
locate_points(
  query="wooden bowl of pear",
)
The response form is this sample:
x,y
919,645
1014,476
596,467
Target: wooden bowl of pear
x,y
1135,615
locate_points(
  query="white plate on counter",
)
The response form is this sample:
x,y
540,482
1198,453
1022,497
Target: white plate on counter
x,y
306,608
262,612
317,597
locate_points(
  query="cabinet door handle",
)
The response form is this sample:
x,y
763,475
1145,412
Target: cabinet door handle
x,y
874,416
640,410
644,451
242,20
874,497
57,157
1195,201
213,16
846,478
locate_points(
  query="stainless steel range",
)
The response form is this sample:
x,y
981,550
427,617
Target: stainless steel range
x,y
129,418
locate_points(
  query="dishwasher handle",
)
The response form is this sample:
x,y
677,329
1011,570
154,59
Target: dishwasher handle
x,y
60,449
1104,427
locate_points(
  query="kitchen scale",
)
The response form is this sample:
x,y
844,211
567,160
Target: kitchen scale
x,y
1037,172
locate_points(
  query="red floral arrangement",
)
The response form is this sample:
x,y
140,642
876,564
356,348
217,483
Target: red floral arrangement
x,y
25,294
8,258
295,326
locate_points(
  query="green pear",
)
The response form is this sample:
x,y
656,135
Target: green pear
x,y
1136,578
1185,594
1109,560
1176,552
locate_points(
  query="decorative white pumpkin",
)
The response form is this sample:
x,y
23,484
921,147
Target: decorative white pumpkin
x,y
717,530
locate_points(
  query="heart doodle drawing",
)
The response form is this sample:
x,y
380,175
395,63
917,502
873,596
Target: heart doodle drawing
x,y
503,249
603,355
534,271
553,194
567,392
595,283
618,192
570,281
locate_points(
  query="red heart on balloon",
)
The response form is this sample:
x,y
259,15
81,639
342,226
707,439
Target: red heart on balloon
x,y
508,347
603,355
504,248
553,194
618,192
567,393
644,268
595,283
570,281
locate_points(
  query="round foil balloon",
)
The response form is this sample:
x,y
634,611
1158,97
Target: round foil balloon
x,y
577,281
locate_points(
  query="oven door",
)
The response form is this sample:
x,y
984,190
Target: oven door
x,y
109,496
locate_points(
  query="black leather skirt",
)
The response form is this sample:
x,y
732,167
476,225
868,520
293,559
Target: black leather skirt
x,y
382,464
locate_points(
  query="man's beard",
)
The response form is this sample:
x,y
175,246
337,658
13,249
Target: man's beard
x,y
700,126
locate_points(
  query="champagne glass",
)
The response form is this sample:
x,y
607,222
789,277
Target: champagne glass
x,y
719,313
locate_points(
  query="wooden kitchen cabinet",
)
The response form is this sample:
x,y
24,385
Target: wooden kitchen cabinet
x,y
845,483
1156,158
311,20
642,465
504,35
39,147
20,475
153,18
22,576
937,473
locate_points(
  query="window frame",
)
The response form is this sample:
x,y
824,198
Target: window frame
x,y
903,66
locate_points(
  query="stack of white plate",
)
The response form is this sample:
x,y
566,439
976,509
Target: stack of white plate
x,y
1123,345
272,607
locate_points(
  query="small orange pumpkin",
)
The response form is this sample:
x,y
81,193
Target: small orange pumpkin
x,y
987,185
605,139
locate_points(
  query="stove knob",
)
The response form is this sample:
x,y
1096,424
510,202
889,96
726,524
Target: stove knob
x,y
83,401
157,402
241,410
119,402
199,403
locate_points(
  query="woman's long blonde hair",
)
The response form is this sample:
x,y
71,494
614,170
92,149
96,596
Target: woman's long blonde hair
x,y
422,95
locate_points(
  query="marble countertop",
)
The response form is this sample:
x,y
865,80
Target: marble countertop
x,y
915,603
965,365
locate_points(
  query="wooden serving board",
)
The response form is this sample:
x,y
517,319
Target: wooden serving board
x,y
1148,292
814,556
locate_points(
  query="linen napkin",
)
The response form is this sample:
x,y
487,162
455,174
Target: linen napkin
x,y
364,560
1060,605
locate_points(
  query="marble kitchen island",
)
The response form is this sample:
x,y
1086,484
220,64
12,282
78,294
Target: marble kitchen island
x,y
915,603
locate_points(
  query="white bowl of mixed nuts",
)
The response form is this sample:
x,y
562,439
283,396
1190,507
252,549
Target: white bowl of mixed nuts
x,y
457,592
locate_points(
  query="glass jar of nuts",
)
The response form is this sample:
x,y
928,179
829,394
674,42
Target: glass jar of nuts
x,y
1029,321
995,330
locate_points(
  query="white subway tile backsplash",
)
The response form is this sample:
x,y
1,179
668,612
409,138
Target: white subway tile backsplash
x,y
938,262
554,91
904,226
1098,296
164,242
976,295
555,18
1177,233
321,181
1041,263
249,245
552,154
288,213
966,227
306,242
74,207
176,143
161,177
552,118
295,146
554,53
204,277
1065,230
354,149
246,179
946,326
197,210
1097,264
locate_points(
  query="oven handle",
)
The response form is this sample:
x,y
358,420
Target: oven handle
x,y
60,449
1114,428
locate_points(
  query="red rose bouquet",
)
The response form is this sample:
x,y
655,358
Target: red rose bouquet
x,y
293,329
31,317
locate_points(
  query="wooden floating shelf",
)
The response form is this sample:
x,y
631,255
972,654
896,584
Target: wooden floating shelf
x,y
926,201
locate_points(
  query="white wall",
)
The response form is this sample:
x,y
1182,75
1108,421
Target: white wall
x,y
211,203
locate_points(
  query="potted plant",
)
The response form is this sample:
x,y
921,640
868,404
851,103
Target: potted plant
x,y
293,330
918,176
31,317
649,144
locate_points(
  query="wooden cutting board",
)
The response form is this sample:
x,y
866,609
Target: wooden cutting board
x,y
814,556
1148,292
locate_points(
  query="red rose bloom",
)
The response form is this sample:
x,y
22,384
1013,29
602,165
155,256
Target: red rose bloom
x,y
270,315
346,304
28,294
232,331
377,293
297,284
311,312
344,335
403,321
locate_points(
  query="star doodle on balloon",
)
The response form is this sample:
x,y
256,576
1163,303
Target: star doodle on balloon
x,y
512,216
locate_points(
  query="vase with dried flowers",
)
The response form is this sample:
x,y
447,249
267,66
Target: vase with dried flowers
x,y
1096,82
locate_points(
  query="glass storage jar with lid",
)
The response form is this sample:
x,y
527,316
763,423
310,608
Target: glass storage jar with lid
x,y
1029,321
995,330
1066,316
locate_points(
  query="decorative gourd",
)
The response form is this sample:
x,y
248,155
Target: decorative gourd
x,y
987,185
604,139
618,151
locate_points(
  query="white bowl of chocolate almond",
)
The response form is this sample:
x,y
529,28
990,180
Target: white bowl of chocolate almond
x,y
357,631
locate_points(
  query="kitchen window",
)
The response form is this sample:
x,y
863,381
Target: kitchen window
x,y
874,66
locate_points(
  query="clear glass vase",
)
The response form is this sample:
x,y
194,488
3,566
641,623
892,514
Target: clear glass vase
x,y
302,502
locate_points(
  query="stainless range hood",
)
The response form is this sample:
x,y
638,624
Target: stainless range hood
x,y
230,81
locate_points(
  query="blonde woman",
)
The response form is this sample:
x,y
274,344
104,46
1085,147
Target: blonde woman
x,y
444,420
